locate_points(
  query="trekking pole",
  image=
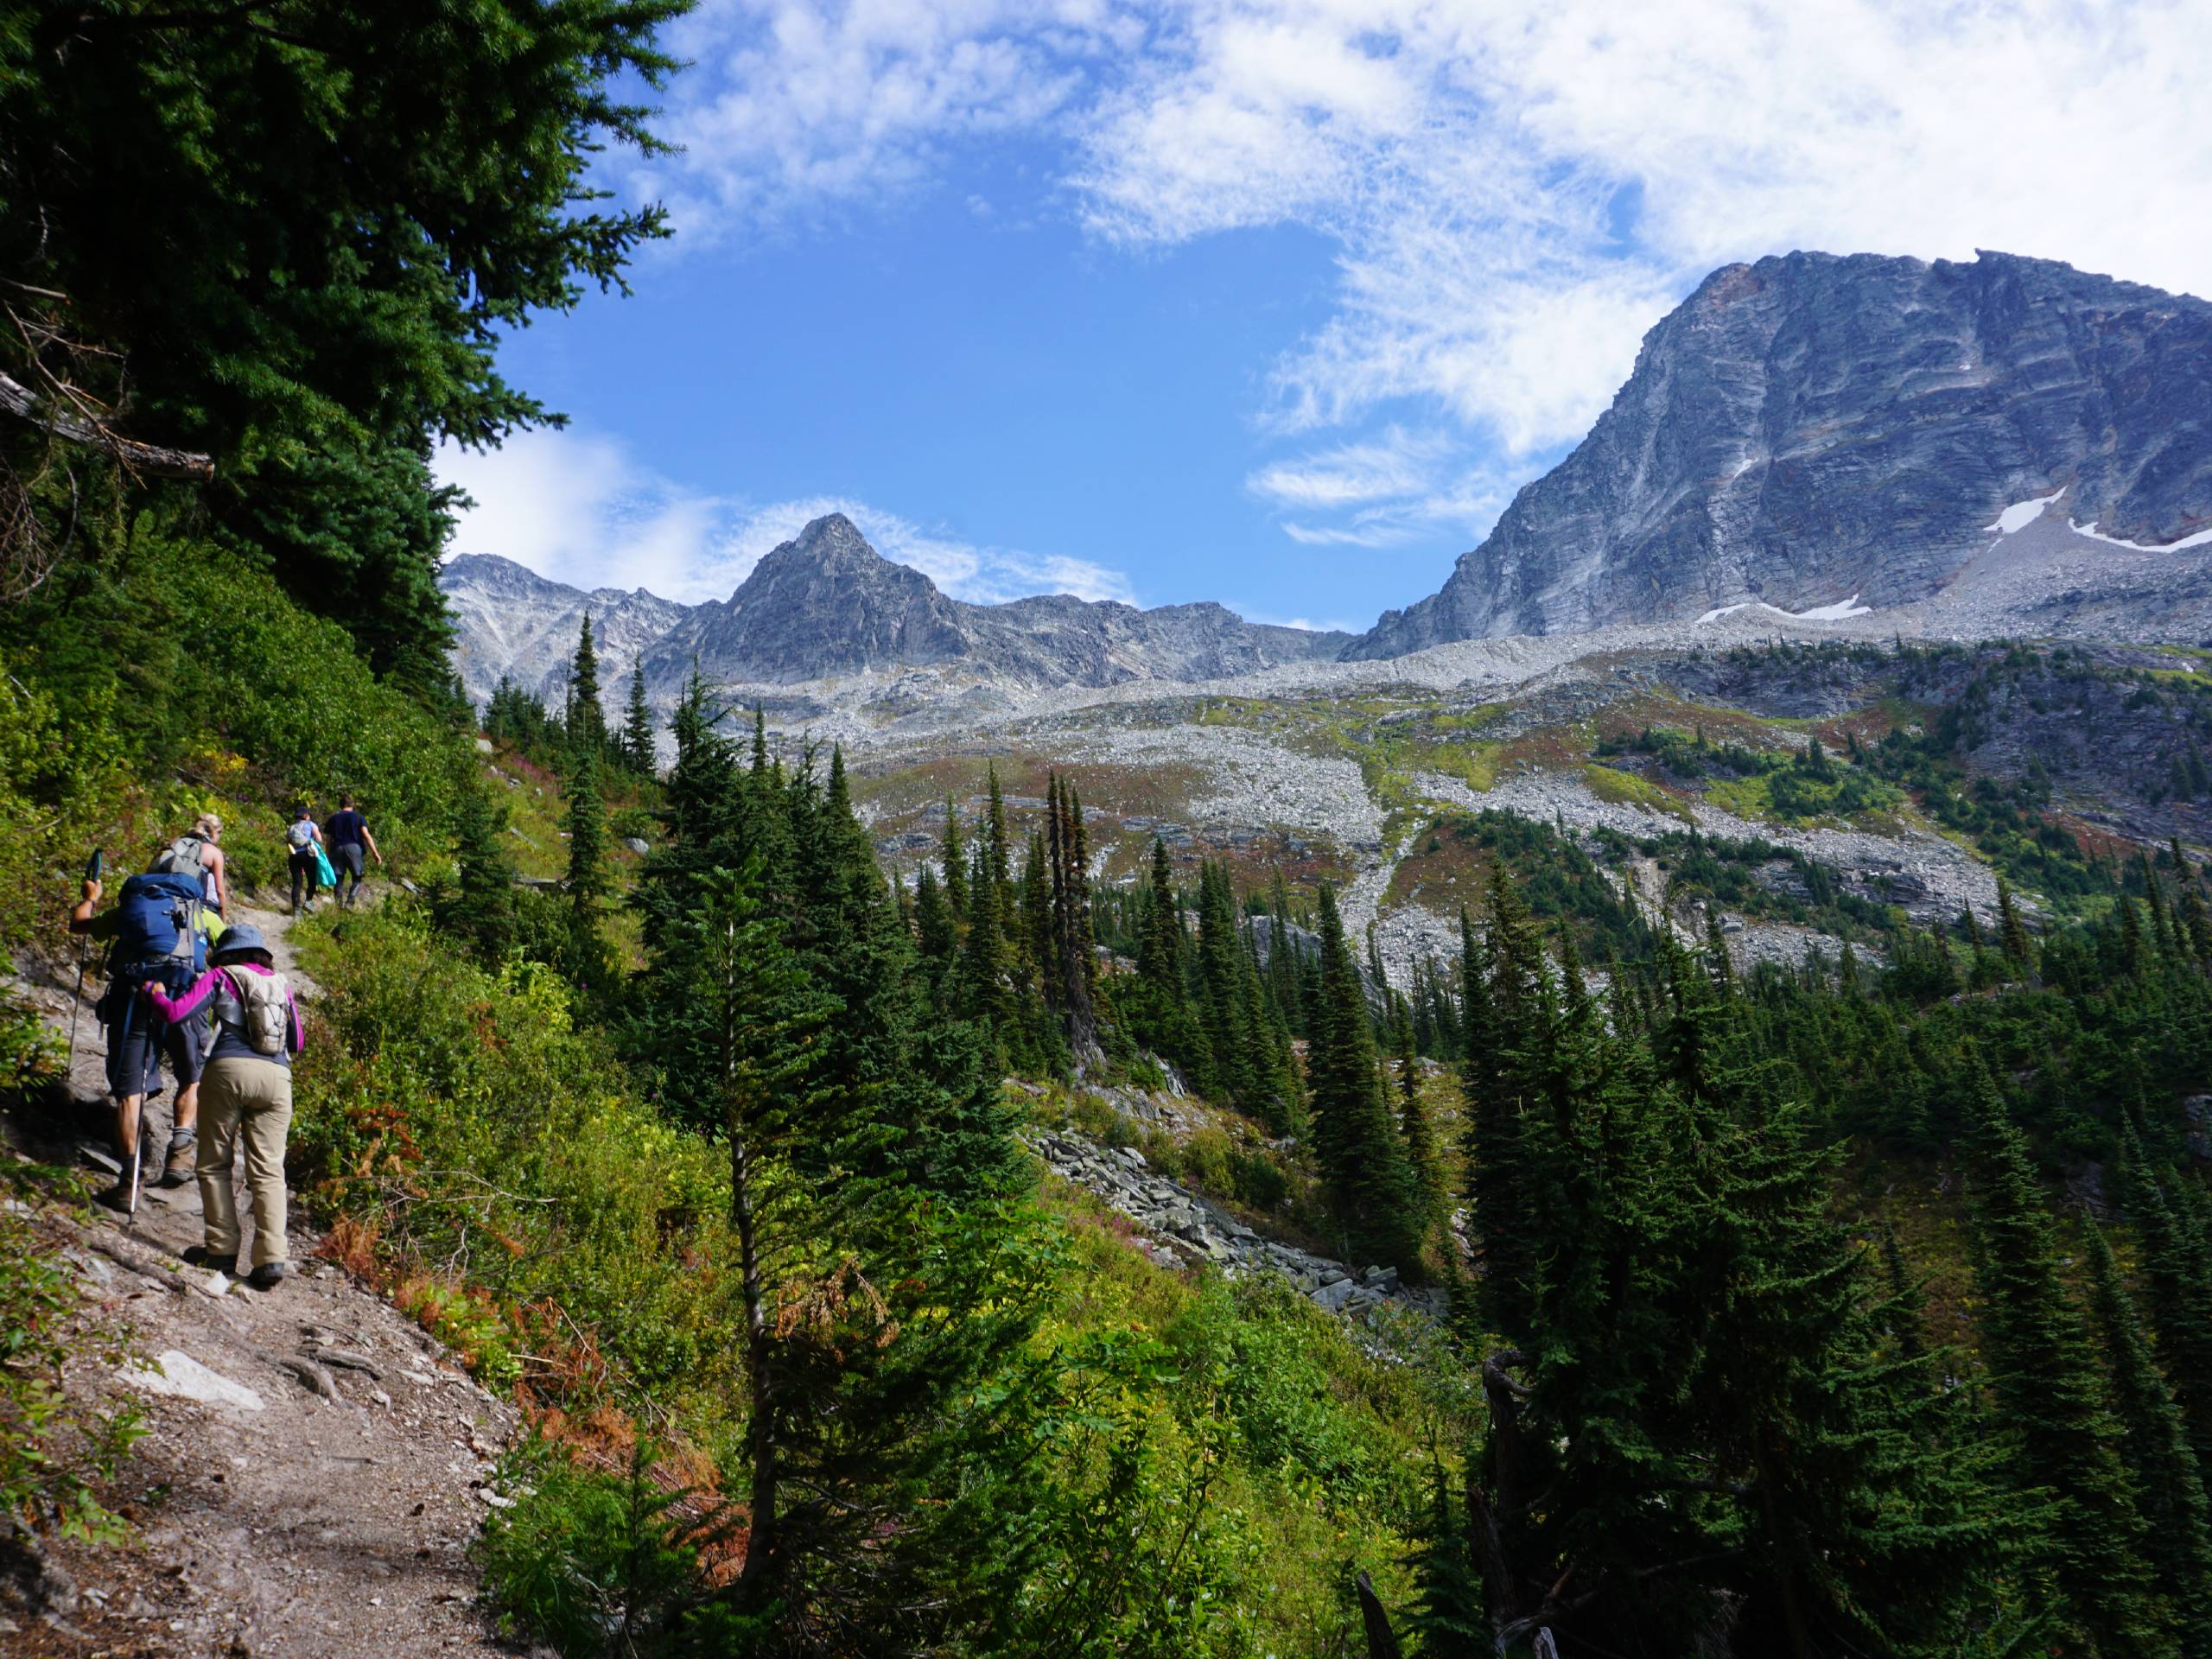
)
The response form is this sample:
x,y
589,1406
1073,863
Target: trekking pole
x,y
93,866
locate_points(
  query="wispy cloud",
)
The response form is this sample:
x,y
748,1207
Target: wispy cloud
x,y
1396,488
1516,188
579,508
1397,463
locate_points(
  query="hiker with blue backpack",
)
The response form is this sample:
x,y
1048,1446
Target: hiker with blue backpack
x,y
157,933
247,1092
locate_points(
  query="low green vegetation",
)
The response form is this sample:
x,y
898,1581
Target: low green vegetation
x,y
1806,786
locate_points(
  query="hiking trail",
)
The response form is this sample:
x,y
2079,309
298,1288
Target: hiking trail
x,y
314,1465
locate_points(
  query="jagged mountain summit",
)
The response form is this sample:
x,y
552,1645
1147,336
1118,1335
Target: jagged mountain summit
x,y
826,604
1823,434
510,621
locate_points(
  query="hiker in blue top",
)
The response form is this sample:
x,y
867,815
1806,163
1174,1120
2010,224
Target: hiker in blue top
x,y
157,934
345,832
302,841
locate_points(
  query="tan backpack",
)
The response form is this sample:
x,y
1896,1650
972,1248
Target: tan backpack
x,y
265,1018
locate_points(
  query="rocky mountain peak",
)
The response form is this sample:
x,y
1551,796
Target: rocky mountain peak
x,y
1823,433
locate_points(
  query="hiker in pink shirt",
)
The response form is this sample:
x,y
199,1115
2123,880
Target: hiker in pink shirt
x,y
245,1092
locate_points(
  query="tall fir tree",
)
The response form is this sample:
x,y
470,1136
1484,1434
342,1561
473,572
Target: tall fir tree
x,y
2176,1262
1074,966
953,860
2052,1395
638,752
1422,1154
588,877
480,906
587,716
1357,1146
2155,1448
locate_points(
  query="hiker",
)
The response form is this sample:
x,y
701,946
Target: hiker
x,y
345,832
158,931
247,1088
301,836
196,853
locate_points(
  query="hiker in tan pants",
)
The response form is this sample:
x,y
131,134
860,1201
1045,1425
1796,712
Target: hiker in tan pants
x,y
246,1092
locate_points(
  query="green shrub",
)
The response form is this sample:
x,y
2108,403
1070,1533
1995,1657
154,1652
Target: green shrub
x,y
54,1451
591,1563
458,1119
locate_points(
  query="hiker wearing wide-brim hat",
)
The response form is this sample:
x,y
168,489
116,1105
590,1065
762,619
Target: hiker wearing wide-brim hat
x,y
245,1093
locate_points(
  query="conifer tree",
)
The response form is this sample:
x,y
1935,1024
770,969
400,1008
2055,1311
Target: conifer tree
x,y
2155,1450
586,717
2050,1392
2176,1262
1229,1039
997,855
588,873
1034,925
1159,947
480,908
637,748
1358,1148
1421,1157
955,862
865,1321
1074,967
934,930
2011,932
1506,1011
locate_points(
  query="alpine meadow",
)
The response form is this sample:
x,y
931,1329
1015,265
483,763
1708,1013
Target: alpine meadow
x,y
607,1049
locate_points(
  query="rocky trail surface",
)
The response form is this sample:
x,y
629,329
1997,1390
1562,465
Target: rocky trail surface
x,y
314,1466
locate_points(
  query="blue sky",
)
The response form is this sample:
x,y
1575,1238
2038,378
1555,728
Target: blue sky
x,y
1272,301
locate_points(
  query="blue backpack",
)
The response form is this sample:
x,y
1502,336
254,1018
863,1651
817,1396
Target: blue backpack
x,y
157,932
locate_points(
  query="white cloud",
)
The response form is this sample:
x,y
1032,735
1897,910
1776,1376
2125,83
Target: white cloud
x,y
1396,464
1385,491
578,508
1516,188
790,108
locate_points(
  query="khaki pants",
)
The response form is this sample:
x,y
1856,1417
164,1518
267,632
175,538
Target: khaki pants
x,y
253,1100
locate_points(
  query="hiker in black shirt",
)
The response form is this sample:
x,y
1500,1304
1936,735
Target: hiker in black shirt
x,y
346,833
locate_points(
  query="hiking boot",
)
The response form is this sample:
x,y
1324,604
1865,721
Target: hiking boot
x,y
201,1256
268,1275
178,1168
117,1197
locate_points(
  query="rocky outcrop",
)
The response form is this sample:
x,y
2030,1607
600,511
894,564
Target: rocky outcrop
x,y
1823,433
1183,1226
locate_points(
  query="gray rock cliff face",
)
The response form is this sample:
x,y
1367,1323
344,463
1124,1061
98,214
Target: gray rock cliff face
x,y
826,604
1812,428
510,621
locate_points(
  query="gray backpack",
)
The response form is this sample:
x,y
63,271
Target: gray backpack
x,y
186,855
262,1017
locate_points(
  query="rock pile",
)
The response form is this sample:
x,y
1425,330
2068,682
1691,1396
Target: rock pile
x,y
1184,1227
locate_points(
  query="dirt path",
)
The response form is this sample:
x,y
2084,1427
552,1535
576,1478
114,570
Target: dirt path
x,y
315,1467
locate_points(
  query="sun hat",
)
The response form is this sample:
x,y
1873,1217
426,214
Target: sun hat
x,y
243,943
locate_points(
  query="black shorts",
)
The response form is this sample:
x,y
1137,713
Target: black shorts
x,y
347,857
137,1040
